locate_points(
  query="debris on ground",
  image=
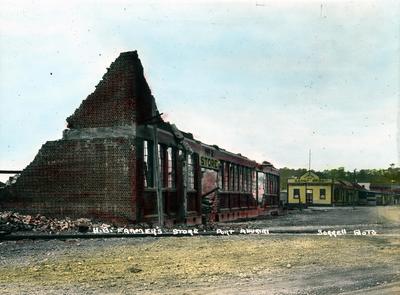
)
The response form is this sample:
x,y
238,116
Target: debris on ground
x,y
12,222
15,222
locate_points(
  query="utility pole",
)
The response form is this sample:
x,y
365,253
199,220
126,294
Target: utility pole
x,y
256,188
157,180
157,172
354,187
185,171
309,169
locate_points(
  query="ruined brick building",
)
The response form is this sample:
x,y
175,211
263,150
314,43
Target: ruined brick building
x,y
119,161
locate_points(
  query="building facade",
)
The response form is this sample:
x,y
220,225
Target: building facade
x,y
118,160
310,190
380,194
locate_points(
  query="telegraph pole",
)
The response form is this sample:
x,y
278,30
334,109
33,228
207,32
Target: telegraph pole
x,y
157,180
156,170
309,169
354,187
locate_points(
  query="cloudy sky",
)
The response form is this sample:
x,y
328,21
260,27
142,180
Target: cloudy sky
x,y
268,79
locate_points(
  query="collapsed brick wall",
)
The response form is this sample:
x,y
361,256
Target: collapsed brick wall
x,y
92,178
92,171
122,97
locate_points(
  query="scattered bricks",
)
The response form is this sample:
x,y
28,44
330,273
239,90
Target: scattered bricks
x,y
83,225
28,219
14,222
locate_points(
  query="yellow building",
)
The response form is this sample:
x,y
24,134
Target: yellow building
x,y
309,189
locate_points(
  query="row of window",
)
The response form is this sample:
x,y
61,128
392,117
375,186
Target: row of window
x,y
167,161
232,177
270,184
322,193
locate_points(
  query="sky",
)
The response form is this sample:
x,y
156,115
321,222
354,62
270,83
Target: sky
x,y
267,79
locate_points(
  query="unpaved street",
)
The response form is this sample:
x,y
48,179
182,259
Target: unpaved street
x,y
243,264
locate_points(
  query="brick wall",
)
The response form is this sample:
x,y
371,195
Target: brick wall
x,y
92,171
93,178
122,97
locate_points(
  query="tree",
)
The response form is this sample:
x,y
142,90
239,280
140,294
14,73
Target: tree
x,y
390,175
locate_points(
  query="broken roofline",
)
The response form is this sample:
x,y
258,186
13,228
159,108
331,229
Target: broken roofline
x,y
188,138
123,97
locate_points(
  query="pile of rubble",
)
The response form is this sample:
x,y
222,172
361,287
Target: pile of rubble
x,y
14,222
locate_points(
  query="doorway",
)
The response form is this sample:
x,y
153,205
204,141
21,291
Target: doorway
x,y
309,196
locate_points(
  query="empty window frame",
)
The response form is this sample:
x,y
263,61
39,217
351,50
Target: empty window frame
x,y
266,184
231,177
221,176
272,177
226,176
251,172
244,171
171,168
245,179
240,182
254,187
148,163
271,184
250,180
191,171
244,188
161,165
236,184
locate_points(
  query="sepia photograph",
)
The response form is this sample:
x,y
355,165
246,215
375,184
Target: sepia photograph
x,y
200,147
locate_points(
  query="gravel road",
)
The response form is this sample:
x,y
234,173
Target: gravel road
x,y
242,264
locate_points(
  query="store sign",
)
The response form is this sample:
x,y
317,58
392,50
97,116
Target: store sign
x,y
309,177
209,163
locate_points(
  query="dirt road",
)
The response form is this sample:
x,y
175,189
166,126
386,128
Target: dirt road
x,y
243,264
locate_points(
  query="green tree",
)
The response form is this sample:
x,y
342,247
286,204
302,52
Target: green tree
x,y
388,176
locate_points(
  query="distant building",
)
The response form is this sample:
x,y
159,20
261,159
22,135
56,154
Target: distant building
x,y
380,194
309,189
